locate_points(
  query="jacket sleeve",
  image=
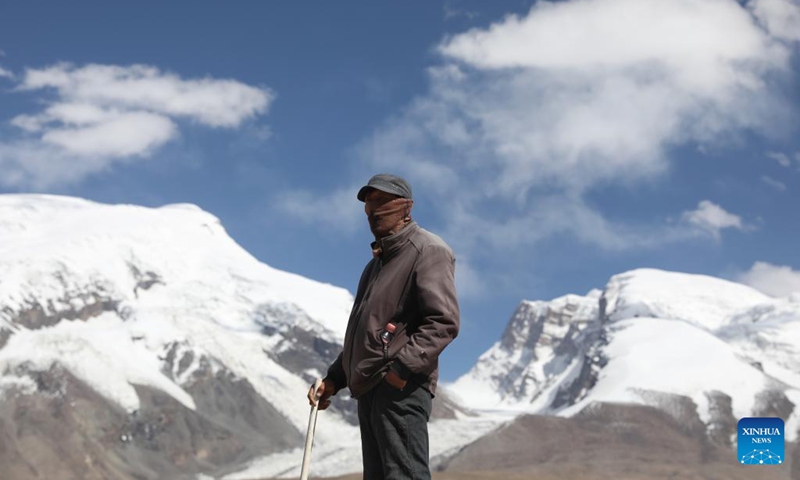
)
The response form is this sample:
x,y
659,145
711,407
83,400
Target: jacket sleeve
x,y
438,307
336,374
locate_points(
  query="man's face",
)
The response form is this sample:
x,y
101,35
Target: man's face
x,y
375,198
381,221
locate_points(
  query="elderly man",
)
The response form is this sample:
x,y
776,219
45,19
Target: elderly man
x,y
405,313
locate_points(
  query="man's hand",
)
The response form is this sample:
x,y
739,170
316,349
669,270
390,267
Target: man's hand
x,y
324,393
394,380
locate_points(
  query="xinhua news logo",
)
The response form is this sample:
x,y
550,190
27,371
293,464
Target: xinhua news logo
x,y
761,441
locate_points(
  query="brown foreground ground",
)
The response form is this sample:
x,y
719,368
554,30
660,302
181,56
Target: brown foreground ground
x,y
610,442
648,473
624,470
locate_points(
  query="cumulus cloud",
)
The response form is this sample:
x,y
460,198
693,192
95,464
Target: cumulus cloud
x,y
5,73
775,280
712,218
101,115
127,134
780,17
595,90
599,33
214,102
528,117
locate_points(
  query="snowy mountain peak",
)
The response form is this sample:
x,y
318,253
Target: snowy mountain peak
x,y
545,323
151,320
652,337
701,300
164,346
538,346
85,281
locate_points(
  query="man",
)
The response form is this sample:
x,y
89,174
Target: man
x,y
405,313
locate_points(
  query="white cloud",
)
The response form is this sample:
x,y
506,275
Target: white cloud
x,y
775,280
481,235
781,17
108,114
594,90
78,114
38,165
217,103
777,185
526,118
781,158
786,160
136,133
712,218
5,73
694,41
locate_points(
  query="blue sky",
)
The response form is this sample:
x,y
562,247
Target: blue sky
x,y
552,144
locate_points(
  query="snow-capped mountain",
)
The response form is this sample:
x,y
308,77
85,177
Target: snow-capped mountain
x,y
664,339
141,342
134,302
144,342
542,343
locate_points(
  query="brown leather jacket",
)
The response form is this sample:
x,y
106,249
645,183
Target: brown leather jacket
x,y
412,285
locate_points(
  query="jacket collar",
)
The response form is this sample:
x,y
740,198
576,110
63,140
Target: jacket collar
x,y
393,243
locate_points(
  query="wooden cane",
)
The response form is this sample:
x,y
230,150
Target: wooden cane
x,y
312,425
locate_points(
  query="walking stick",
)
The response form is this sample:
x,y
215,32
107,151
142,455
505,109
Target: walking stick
x,y
312,425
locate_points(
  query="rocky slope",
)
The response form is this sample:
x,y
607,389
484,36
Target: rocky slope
x,y
149,343
611,441
145,343
702,350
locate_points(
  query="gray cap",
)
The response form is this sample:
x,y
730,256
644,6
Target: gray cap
x,y
388,183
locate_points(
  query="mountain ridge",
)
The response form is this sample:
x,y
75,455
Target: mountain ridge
x,y
648,332
180,335
187,356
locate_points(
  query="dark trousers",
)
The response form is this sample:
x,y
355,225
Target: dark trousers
x,y
394,432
